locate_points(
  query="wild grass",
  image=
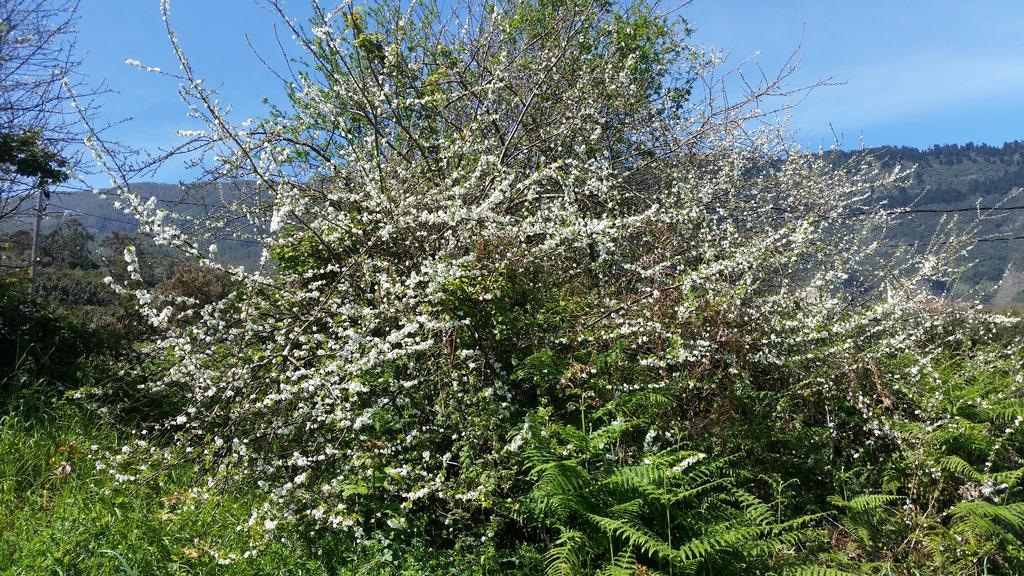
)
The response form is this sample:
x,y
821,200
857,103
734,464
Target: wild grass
x,y
60,515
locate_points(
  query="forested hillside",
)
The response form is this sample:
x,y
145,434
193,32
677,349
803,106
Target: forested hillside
x,y
948,181
101,218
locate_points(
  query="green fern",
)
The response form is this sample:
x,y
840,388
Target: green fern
x,y
566,556
673,512
818,571
864,502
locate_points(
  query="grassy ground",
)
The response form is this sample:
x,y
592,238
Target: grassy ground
x,y
59,515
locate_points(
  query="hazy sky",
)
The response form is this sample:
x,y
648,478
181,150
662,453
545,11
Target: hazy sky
x,y
914,72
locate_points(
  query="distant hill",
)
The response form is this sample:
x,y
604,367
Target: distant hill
x,y
953,177
946,177
100,216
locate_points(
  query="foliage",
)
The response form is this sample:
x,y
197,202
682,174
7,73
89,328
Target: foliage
x,y
669,512
525,275
952,506
52,344
61,514
198,284
25,155
69,246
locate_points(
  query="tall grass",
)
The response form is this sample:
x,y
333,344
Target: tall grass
x,y
60,515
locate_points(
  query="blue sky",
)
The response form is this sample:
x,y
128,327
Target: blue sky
x,y
214,35
914,72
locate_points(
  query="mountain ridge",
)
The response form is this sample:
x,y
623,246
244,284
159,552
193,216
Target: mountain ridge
x,y
945,177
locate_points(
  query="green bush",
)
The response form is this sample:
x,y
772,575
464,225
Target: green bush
x,y
524,284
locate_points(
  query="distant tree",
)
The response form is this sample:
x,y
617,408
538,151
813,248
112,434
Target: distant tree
x,y
40,131
70,246
201,284
155,265
14,248
26,155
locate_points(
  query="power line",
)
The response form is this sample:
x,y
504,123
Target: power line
x,y
936,210
863,213
952,210
83,213
108,218
1000,239
895,211
943,243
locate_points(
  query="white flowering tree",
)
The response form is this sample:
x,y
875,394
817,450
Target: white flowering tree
x,y
490,229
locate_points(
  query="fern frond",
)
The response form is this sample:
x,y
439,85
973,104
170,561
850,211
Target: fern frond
x,y
959,466
637,405
634,536
624,564
756,510
609,434
565,557
864,502
644,477
702,548
1004,414
979,511
817,571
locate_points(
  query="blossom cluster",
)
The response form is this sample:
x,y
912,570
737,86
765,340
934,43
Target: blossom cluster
x,y
448,200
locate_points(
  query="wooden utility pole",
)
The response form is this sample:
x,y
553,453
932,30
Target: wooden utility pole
x,y
34,272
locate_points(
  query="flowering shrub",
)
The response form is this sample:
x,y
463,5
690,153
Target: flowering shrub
x,y
527,212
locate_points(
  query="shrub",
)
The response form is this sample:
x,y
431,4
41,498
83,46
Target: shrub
x,y
491,229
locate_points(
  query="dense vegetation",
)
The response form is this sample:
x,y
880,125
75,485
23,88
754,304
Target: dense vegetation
x,y
944,177
948,181
530,301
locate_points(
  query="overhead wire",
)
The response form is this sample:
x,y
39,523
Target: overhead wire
x,y
129,223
